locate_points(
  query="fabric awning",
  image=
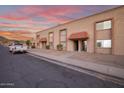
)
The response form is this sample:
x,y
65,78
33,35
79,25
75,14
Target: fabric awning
x,y
43,40
78,36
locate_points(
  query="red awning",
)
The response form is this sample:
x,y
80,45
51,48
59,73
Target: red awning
x,y
79,35
43,40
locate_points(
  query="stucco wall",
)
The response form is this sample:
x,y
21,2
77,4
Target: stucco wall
x,y
87,25
119,32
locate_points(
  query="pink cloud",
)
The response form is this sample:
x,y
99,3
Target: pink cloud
x,y
31,10
14,35
31,22
19,14
13,17
14,25
56,20
27,27
51,14
17,25
26,14
8,25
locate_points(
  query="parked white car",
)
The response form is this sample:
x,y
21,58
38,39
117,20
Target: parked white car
x,y
17,48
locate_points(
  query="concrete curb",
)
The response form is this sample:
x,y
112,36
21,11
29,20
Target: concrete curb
x,y
98,68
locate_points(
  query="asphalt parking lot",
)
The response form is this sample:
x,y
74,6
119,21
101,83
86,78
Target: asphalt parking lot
x,y
25,71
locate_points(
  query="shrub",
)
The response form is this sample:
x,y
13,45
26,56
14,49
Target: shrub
x,y
47,46
60,47
32,46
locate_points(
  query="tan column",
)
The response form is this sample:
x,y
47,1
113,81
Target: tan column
x,y
41,46
79,45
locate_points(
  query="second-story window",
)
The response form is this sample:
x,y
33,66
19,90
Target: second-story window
x,y
104,25
51,38
63,38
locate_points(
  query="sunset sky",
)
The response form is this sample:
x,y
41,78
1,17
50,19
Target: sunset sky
x,y
20,22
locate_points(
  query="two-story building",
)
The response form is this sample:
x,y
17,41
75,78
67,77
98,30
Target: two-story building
x,y
98,33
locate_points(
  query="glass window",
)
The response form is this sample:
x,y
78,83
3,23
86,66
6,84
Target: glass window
x,y
63,44
107,24
51,40
63,38
99,26
104,25
51,37
104,43
51,44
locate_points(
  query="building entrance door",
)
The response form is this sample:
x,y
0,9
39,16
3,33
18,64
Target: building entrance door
x,y
80,45
76,45
84,45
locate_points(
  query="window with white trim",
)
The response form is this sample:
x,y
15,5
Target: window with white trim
x,y
104,25
63,38
104,43
51,40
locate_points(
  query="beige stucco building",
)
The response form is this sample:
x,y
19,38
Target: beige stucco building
x,y
99,33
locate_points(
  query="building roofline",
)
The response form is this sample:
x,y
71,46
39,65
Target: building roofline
x,y
81,18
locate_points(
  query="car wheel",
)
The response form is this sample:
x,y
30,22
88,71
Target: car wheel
x,y
24,51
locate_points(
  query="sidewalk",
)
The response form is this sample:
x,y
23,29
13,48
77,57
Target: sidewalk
x,y
107,64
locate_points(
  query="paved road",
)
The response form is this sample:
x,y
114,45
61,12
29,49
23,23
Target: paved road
x,y
22,70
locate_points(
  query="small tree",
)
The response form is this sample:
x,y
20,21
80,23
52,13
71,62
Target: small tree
x,y
28,42
60,47
22,42
47,46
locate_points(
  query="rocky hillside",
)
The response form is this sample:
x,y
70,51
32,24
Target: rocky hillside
x,y
3,38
